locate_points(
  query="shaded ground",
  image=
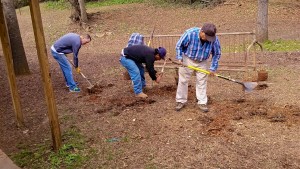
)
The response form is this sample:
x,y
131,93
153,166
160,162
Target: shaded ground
x,y
242,130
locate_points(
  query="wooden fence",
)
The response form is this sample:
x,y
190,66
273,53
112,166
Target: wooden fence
x,y
240,50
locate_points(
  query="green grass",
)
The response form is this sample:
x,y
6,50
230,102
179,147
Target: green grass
x,y
282,45
60,4
272,46
111,2
64,4
73,154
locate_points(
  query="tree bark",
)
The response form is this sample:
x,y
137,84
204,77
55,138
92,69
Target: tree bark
x,y
19,58
262,21
83,11
75,10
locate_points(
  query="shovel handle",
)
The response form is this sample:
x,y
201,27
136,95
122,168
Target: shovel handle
x,y
190,67
163,68
151,37
248,86
227,78
81,73
220,76
71,63
198,69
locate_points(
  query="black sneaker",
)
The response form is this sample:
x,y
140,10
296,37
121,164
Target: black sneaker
x,y
179,106
203,108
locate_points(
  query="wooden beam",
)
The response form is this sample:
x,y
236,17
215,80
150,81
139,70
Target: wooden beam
x,y
10,68
44,64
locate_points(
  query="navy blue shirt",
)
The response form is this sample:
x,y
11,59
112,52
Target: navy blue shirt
x,y
69,43
142,54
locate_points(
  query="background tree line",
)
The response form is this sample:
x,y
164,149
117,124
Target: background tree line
x,y
22,3
79,14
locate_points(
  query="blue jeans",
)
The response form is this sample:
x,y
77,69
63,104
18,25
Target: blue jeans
x,y
66,68
136,72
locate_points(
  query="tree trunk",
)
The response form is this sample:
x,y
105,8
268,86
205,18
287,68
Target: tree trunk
x,y
75,10
19,58
83,11
262,21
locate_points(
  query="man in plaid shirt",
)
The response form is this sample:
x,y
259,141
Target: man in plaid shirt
x,y
136,39
194,48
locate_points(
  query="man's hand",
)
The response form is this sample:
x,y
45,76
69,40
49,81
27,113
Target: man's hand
x,y
78,70
212,73
158,77
180,62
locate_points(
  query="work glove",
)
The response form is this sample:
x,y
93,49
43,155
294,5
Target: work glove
x,y
78,70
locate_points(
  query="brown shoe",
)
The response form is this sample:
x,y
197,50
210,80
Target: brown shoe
x,y
203,108
179,106
141,95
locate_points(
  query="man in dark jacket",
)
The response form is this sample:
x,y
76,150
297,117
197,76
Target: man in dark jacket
x,y
69,43
133,57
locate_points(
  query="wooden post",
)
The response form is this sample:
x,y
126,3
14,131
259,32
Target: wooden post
x,y
10,68
43,59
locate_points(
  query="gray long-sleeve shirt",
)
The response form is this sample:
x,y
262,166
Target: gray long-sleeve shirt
x,y
69,43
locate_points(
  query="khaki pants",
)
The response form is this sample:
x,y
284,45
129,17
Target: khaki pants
x,y
184,76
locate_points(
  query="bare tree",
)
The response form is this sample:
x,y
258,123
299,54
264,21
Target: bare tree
x,y
83,11
75,10
262,21
78,11
19,58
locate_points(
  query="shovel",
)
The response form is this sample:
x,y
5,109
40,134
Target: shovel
x,y
248,86
91,87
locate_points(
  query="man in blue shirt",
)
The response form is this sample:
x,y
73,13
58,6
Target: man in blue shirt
x,y
194,48
69,43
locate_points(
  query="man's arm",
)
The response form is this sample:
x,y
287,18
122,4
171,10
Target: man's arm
x,y
216,54
150,68
75,49
181,44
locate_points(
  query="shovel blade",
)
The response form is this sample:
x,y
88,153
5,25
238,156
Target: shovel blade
x,y
249,86
91,89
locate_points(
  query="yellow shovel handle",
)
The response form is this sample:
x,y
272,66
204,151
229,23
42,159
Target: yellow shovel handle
x,y
198,69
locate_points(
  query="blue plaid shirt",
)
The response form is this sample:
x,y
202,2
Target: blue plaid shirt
x,y
136,39
190,45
